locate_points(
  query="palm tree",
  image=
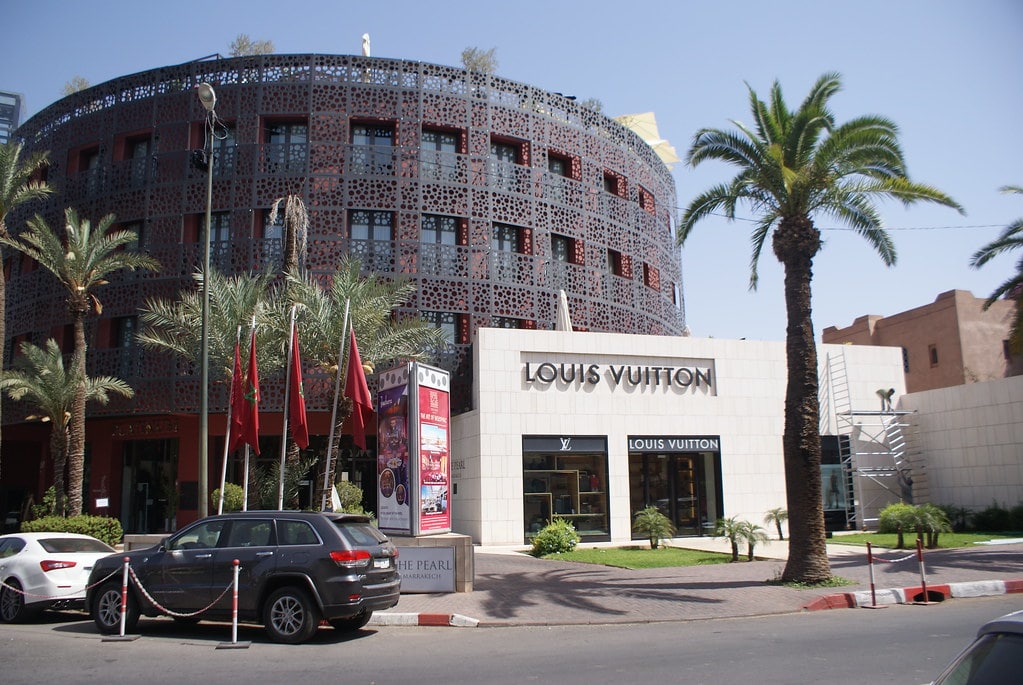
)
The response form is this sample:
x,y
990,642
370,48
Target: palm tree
x,y
1010,239
19,183
174,326
653,524
777,516
296,230
81,260
381,336
793,166
730,528
752,535
39,377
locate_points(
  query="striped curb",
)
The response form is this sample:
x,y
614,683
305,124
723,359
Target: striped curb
x,y
909,595
398,619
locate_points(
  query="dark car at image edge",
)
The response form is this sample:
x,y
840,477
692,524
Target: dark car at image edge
x,y
296,569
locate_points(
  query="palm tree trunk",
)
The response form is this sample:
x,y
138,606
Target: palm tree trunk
x,y
795,243
76,446
58,452
344,410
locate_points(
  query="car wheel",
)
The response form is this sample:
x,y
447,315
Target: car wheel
x,y
290,616
106,610
353,622
12,604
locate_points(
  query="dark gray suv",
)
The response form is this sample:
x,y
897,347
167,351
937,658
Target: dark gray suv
x,y
296,569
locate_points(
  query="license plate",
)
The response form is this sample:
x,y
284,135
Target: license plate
x,y
381,563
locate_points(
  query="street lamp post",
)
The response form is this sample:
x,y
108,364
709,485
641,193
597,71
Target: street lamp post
x,y
208,98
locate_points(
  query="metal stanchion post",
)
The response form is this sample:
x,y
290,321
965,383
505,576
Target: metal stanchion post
x,y
124,608
873,591
923,575
234,644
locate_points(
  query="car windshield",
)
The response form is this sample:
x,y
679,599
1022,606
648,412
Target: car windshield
x,y
994,658
72,545
359,533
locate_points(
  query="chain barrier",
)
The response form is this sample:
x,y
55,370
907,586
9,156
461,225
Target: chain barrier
x,y
919,554
169,612
57,597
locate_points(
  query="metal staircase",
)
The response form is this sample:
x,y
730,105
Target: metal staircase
x,y
879,453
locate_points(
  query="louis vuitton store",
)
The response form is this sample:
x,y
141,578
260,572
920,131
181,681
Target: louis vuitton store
x,y
593,427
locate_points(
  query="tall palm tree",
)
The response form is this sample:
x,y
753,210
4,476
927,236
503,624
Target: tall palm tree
x,y
795,165
19,183
174,325
40,378
81,259
382,337
1010,239
296,230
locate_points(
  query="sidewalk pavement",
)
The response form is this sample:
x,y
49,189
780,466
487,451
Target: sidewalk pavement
x,y
513,588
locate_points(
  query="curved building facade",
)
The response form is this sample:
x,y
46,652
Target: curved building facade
x,y
490,195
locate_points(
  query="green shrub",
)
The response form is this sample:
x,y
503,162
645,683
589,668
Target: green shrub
x,y
557,536
350,495
234,497
994,519
1016,518
651,523
101,527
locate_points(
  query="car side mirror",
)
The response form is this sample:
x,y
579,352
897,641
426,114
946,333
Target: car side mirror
x,y
163,544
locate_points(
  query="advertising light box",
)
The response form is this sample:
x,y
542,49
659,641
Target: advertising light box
x,y
413,457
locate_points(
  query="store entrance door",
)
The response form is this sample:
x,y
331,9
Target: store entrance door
x,y
668,482
149,493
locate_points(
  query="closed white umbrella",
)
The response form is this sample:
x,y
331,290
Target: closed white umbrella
x,y
563,320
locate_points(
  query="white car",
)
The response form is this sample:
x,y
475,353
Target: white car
x,y
45,570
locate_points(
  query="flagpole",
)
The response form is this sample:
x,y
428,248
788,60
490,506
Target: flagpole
x,y
284,422
227,432
245,490
333,414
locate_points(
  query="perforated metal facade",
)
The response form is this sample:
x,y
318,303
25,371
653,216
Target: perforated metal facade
x,y
491,195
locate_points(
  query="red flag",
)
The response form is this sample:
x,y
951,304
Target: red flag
x,y
296,401
357,389
237,401
250,411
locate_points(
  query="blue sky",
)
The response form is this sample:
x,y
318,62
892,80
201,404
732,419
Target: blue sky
x,y
947,72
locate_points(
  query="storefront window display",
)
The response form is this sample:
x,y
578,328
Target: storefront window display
x,y
560,482
684,485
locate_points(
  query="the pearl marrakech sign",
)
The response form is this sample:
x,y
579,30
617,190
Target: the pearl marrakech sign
x,y
687,376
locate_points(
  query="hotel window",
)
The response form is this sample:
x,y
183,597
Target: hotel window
x,y
447,322
614,262
614,183
505,238
87,167
372,149
138,155
285,147
138,228
505,156
225,149
646,200
560,168
220,239
505,322
561,248
370,236
438,235
273,239
438,155
651,277
122,331
932,353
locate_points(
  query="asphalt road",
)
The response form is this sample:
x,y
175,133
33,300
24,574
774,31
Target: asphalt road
x,y
899,644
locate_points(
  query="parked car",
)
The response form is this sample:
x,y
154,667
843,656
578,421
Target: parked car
x,y
296,569
994,657
45,570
